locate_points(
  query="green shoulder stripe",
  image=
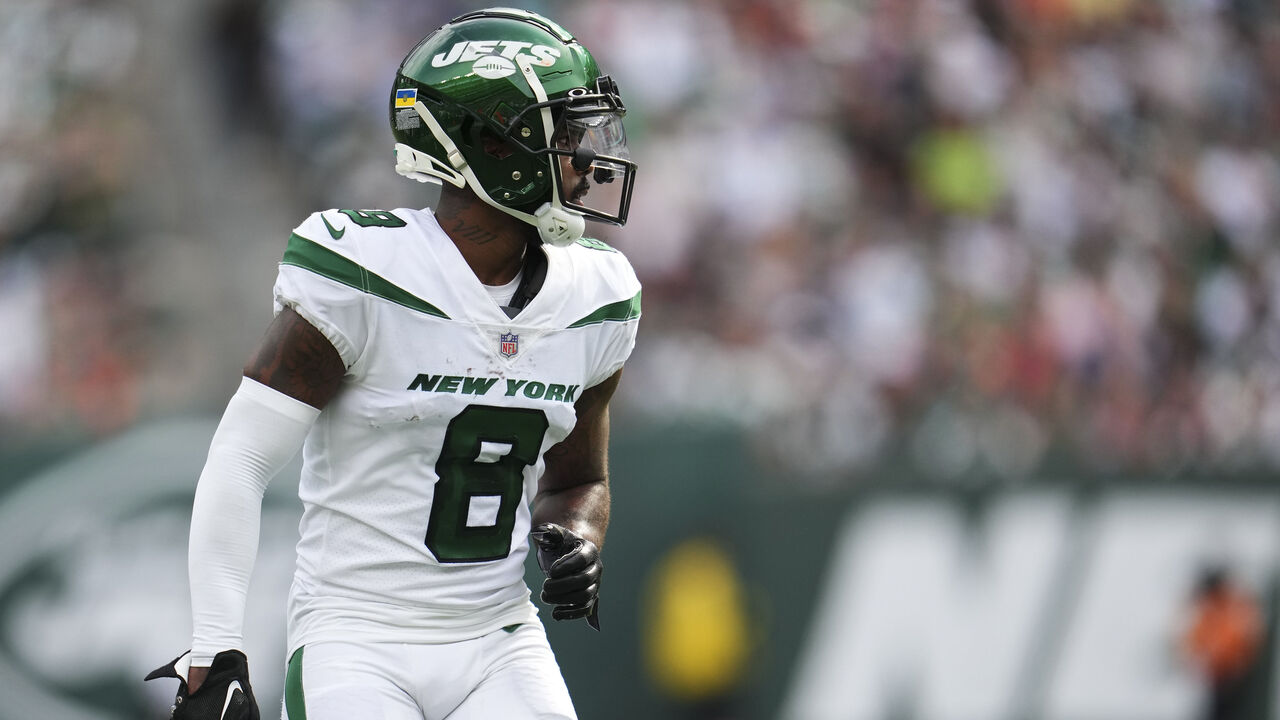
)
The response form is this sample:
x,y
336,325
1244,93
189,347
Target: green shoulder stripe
x,y
310,255
620,311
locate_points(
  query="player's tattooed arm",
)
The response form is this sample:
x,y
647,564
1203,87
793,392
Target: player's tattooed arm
x,y
296,359
574,489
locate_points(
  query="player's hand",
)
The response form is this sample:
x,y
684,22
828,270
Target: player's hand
x,y
225,693
572,565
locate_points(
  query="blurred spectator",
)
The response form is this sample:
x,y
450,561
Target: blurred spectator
x,y
238,50
1222,640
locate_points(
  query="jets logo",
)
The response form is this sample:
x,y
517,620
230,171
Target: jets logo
x,y
499,56
93,576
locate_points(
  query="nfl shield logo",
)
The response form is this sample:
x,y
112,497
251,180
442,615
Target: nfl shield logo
x,y
508,344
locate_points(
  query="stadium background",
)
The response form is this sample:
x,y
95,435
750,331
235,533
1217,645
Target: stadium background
x,y
958,365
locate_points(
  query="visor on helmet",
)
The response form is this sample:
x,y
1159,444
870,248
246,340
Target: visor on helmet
x,y
593,169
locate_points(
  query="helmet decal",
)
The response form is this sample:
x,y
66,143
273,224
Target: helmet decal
x,y
406,97
470,50
492,67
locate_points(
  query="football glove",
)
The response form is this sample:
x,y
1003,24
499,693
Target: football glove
x,y
572,566
224,695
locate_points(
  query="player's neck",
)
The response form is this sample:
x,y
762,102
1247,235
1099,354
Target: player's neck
x,y
492,242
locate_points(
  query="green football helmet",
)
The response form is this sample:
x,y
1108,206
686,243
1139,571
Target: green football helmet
x,y
506,102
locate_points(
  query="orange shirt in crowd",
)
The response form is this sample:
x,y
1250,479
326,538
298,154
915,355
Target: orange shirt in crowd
x,y
1226,629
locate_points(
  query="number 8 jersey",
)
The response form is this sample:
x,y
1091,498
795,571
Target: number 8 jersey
x,y
417,476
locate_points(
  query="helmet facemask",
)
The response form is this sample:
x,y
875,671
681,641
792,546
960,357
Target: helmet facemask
x,y
587,151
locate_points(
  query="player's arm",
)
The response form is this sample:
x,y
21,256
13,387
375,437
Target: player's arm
x,y
293,374
297,360
573,491
571,509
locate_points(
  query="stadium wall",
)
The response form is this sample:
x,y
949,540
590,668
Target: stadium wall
x,y
731,591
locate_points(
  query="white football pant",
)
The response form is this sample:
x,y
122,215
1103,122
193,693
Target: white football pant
x,y
505,674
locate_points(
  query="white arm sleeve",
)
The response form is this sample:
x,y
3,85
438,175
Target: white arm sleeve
x,y
260,432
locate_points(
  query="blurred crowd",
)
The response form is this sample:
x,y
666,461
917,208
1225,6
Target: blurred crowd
x,y
71,349
978,235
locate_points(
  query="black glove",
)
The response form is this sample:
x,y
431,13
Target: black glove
x,y
224,695
572,565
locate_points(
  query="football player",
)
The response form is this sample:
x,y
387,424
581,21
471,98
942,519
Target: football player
x,y
447,375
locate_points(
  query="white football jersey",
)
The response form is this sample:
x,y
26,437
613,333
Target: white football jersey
x,y
417,476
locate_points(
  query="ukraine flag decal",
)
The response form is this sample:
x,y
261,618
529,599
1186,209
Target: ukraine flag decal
x,y
406,97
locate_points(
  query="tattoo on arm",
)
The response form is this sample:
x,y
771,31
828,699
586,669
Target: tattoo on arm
x,y
296,359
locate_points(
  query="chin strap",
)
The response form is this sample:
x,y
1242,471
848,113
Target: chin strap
x,y
557,225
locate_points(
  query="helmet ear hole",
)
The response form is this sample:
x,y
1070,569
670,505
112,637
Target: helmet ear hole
x,y
494,146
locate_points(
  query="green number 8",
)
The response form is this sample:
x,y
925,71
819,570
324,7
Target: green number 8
x,y
468,471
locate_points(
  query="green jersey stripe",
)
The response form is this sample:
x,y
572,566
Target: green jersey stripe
x,y
310,255
618,312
